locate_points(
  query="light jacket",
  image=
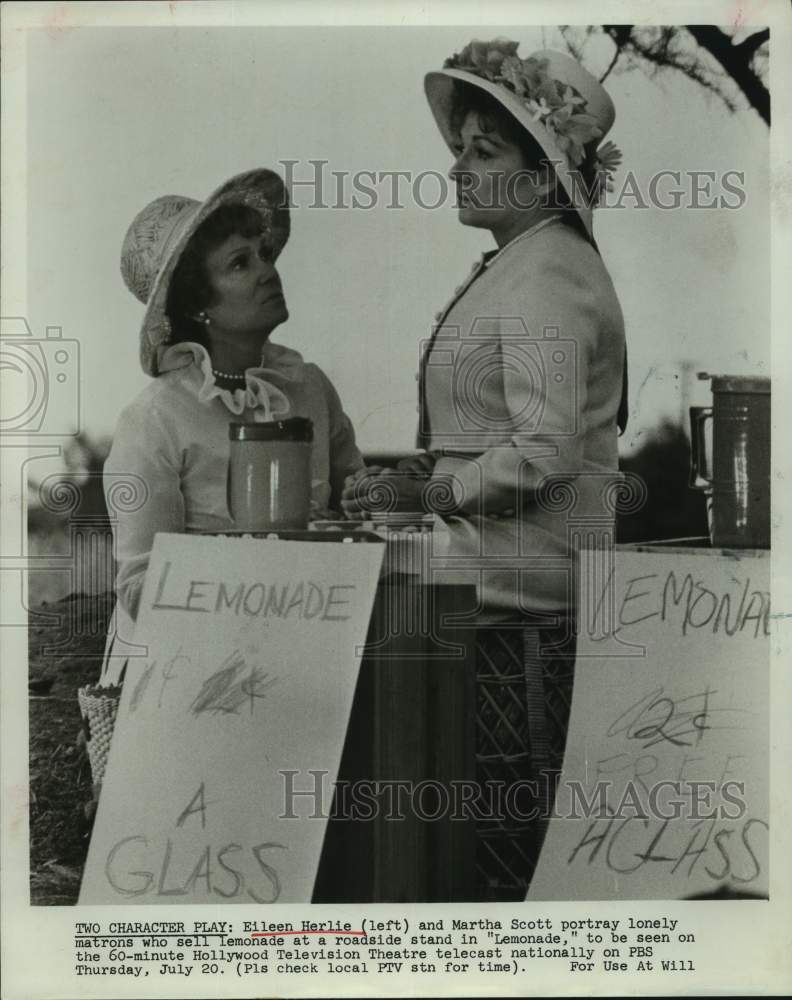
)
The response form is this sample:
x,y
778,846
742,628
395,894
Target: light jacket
x,y
520,390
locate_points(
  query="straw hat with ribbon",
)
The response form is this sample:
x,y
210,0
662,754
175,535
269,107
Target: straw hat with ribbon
x,y
559,103
159,234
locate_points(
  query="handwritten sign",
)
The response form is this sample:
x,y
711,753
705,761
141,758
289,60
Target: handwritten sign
x,y
664,793
229,732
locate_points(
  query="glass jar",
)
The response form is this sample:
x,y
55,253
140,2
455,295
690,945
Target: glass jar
x,y
269,474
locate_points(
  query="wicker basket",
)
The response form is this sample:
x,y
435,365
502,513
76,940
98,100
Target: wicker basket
x,y
98,706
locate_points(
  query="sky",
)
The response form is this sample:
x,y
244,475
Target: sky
x,y
118,116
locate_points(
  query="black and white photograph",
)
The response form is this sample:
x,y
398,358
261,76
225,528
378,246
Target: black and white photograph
x,y
393,499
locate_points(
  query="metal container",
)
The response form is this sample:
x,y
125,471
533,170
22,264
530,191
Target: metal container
x,y
269,475
735,472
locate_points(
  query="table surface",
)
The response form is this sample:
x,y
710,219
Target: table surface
x,y
692,547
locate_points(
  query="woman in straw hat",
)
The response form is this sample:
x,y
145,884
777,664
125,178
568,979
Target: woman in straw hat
x,y
207,275
522,389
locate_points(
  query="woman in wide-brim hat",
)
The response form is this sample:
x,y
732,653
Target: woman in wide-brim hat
x,y
522,392
207,274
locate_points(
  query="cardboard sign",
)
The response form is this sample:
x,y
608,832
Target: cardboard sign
x,y
229,732
664,793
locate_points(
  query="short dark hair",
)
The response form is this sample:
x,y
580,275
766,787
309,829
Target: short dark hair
x,y
190,290
494,117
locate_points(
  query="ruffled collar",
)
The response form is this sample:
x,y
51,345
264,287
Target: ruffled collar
x,y
263,391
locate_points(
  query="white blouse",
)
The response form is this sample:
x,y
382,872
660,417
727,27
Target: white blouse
x,y
168,466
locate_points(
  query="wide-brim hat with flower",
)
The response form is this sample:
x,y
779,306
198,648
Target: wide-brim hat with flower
x,y
160,233
559,103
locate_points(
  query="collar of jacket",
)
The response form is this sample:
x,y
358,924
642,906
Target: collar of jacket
x,y
486,260
482,264
489,259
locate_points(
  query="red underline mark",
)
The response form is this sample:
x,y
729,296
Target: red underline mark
x,y
300,933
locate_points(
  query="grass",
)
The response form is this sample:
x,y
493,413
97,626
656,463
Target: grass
x,y
86,569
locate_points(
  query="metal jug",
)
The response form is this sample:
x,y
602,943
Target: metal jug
x,y
736,476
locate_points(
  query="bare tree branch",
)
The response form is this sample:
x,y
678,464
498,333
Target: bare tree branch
x,y
662,49
704,54
613,62
574,49
748,46
736,60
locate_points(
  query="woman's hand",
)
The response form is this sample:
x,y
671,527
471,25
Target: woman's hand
x,y
382,490
354,490
421,463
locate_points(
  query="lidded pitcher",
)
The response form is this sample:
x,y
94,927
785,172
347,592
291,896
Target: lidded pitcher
x,y
734,472
269,474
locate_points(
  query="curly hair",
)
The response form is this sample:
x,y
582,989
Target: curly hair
x,y
190,287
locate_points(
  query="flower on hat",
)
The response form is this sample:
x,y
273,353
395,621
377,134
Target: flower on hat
x,y
539,109
573,131
487,56
557,106
608,159
526,76
572,99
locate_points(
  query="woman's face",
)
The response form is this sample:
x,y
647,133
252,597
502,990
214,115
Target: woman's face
x,y
248,297
494,185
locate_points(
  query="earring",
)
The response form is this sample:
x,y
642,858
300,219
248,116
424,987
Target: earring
x,y
203,318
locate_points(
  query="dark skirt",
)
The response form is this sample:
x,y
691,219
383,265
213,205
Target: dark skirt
x,y
524,678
